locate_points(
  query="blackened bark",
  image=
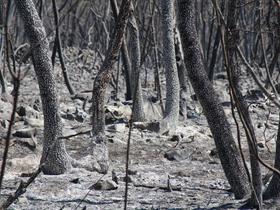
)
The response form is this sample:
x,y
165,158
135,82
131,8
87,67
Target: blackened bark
x,y
138,109
232,40
157,67
72,36
99,88
125,56
171,113
2,79
181,74
58,47
277,53
219,126
273,188
55,159
215,49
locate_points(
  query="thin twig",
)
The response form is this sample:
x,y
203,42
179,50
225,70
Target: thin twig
x,y
76,134
232,98
85,196
21,189
264,134
276,102
16,80
249,67
264,53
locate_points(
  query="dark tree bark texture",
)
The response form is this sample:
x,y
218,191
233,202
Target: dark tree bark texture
x,y
55,159
232,40
171,112
219,126
101,81
138,109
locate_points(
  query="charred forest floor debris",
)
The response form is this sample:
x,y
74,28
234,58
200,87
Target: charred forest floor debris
x,y
166,172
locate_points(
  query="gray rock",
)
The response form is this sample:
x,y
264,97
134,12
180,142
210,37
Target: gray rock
x,y
34,123
68,132
72,113
173,155
192,115
153,126
177,155
117,112
26,164
105,185
80,116
27,111
30,143
25,133
99,160
118,127
175,138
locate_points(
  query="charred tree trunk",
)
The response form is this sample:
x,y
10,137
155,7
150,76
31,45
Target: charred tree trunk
x,y
55,159
273,188
215,49
157,66
127,70
277,53
181,74
2,79
219,126
72,36
138,111
171,113
58,48
100,152
125,57
232,40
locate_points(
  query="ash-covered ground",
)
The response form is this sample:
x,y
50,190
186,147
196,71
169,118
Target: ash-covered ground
x,y
180,171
